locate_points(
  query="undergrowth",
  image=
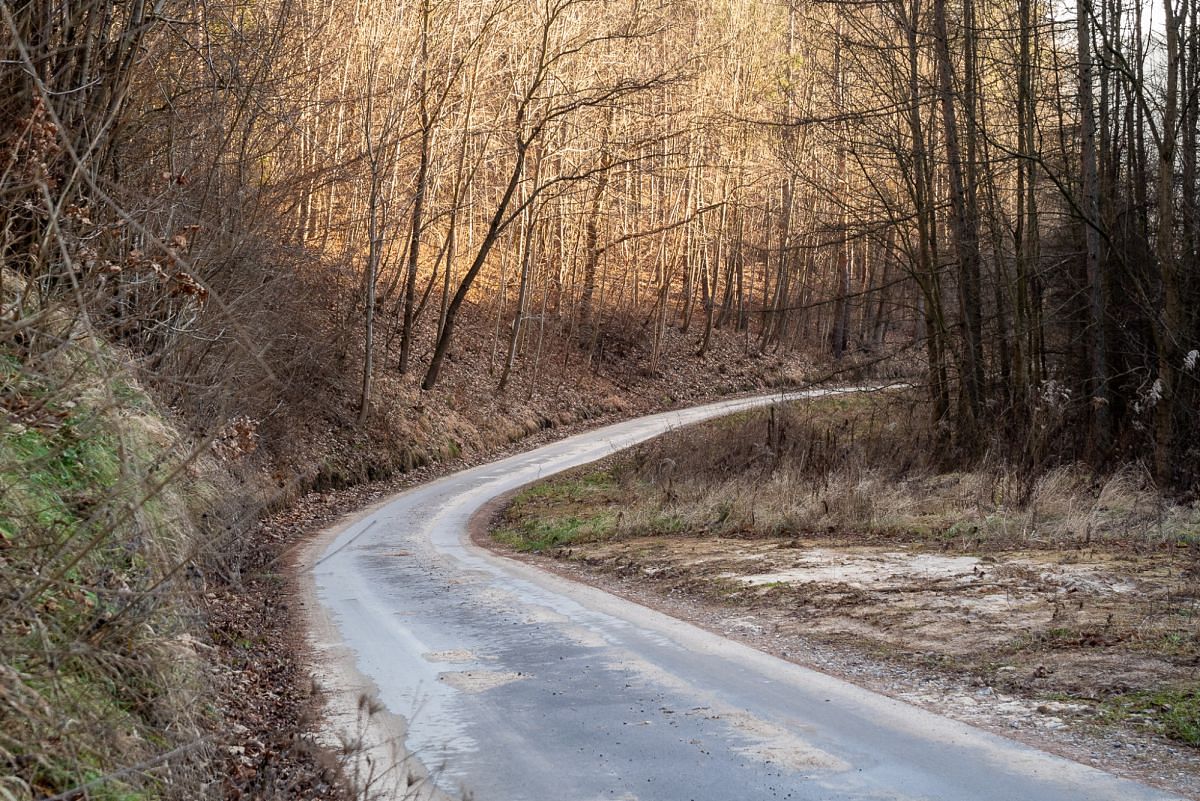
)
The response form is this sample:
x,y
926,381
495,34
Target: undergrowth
x,y
100,503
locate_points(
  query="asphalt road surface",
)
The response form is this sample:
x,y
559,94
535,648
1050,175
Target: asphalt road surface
x,y
518,685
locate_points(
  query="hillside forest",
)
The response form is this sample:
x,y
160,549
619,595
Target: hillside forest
x,y
1003,196
237,236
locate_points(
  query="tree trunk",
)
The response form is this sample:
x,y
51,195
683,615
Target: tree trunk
x,y
1170,325
1090,207
485,247
966,236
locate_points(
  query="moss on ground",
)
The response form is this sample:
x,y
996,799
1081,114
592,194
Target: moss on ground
x,y
95,521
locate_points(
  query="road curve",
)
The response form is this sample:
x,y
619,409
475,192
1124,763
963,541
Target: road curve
x,y
518,685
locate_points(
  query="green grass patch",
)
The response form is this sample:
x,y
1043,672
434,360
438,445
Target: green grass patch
x,y
1174,713
576,507
535,536
665,524
572,488
51,479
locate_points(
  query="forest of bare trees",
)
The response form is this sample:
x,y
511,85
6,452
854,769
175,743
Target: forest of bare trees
x,y
370,236
1000,196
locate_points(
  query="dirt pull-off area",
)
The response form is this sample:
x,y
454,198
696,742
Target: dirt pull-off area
x,y
1084,624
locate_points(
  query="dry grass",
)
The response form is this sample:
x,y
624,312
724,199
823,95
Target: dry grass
x,y
866,466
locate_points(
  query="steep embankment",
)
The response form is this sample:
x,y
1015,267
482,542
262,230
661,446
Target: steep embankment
x,y
109,519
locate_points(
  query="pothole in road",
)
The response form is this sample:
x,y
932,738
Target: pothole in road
x,y
477,681
459,656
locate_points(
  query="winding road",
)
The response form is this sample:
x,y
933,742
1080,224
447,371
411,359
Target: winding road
x,y
512,684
